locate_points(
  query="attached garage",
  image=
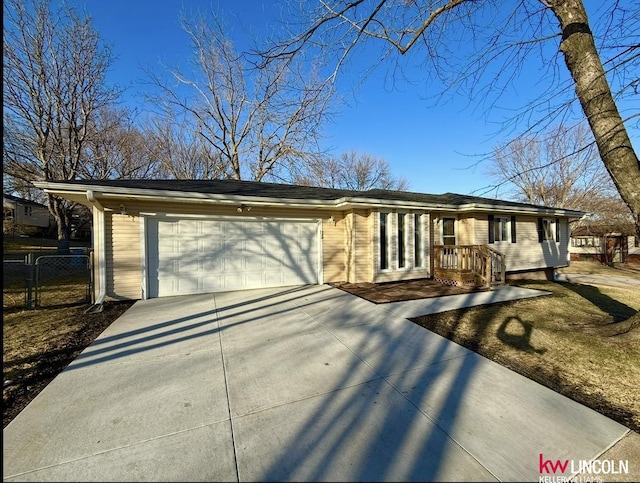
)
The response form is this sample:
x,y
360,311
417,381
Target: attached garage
x,y
193,255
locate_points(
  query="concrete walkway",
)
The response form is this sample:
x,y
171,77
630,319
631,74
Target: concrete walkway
x,y
297,384
595,279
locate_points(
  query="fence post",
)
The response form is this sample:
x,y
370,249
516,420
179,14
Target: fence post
x,y
91,278
28,260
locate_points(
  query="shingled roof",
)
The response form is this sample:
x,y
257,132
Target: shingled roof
x,y
23,201
252,189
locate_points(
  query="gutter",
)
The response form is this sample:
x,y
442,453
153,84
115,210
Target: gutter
x,y
102,273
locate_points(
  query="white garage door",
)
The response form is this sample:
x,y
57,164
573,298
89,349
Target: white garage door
x,y
187,256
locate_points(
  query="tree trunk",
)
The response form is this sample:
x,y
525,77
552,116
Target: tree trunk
x,y
62,217
594,94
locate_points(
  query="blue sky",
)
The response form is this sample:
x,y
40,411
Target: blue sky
x,y
436,148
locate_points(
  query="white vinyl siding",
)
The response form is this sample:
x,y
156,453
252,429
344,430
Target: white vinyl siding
x,y
123,279
528,253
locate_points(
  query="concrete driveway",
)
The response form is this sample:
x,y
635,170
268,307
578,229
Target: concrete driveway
x,y
295,384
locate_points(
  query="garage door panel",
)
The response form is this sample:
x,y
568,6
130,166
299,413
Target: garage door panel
x,y
186,250
232,280
234,264
194,256
188,227
273,261
212,264
212,283
211,229
254,246
167,244
234,245
187,267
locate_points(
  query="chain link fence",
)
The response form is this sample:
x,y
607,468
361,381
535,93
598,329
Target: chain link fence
x,y
41,281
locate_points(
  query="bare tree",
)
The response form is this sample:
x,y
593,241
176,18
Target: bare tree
x,y
116,149
608,214
559,168
255,123
54,83
352,171
180,153
478,47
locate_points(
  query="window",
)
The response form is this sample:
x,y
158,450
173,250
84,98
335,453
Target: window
x,y
448,231
395,234
547,233
383,241
402,242
500,226
418,259
28,210
585,241
502,229
548,229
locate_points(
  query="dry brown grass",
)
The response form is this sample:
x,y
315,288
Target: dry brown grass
x,y
595,268
579,341
39,344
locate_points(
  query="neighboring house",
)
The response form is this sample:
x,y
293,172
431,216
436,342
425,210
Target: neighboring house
x,y
24,217
603,245
155,238
81,223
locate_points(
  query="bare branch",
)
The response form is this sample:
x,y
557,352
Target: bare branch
x,y
256,123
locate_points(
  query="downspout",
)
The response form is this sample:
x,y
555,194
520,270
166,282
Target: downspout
x,y
102,256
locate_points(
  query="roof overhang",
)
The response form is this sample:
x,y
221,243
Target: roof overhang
x,y
111,196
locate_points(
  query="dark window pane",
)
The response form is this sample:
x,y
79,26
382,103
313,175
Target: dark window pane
x,y
417,239
384,262
402,217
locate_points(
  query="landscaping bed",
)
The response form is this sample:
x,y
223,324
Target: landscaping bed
x,y
380,293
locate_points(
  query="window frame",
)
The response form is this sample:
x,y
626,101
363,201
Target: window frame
x,y
418,241
384,241
501,229
548,229
507,231
453,225
402,245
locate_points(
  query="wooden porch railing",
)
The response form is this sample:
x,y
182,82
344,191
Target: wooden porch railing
x,y
479,264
